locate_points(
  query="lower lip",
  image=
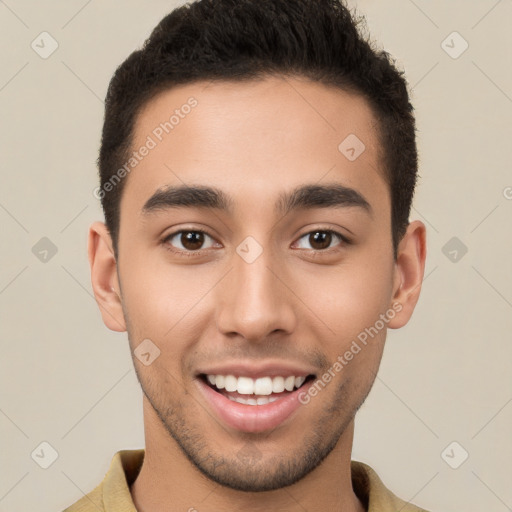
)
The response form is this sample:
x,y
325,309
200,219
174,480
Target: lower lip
x,y
252,418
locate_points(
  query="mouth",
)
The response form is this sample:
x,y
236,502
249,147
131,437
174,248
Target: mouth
x,y
260,391
253,404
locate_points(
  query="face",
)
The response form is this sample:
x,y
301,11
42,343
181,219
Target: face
x,y
272,267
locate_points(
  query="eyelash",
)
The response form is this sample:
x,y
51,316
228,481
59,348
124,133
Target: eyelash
x,y
314,252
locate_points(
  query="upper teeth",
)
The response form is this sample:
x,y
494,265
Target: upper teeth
x,y
260,386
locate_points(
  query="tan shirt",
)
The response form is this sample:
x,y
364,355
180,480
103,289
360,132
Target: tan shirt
x,y
113,494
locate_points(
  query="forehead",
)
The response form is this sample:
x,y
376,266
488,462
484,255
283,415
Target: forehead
x,y
265,136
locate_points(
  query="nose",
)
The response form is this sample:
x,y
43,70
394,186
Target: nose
x,y
254,300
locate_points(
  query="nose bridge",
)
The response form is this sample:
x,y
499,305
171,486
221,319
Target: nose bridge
x,y
254,302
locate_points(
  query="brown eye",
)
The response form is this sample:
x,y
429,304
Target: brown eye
x,y
192,240
188,240
320,240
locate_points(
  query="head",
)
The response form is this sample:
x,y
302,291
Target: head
x,y
291,160
240,41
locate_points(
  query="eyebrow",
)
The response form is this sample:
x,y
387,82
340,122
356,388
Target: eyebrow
x,y
321,196
191,196
302,197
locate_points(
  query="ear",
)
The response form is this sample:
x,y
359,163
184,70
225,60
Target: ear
x,y
104,278
409,271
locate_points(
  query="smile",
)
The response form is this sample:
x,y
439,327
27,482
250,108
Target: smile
x,y
253,404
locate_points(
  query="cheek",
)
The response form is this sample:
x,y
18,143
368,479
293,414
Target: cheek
x,y
350,301
146,299
163,303
350,297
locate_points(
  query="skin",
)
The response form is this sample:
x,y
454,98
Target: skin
x,y
254,140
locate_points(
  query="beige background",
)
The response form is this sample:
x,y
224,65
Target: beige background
x,y
446,376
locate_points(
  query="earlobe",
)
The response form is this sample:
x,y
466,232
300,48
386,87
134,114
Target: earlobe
x,y
409,272
104,279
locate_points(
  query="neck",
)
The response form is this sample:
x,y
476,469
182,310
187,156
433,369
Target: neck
x,y
169,482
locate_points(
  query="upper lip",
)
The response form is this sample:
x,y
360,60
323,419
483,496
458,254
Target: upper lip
x,y
246,369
